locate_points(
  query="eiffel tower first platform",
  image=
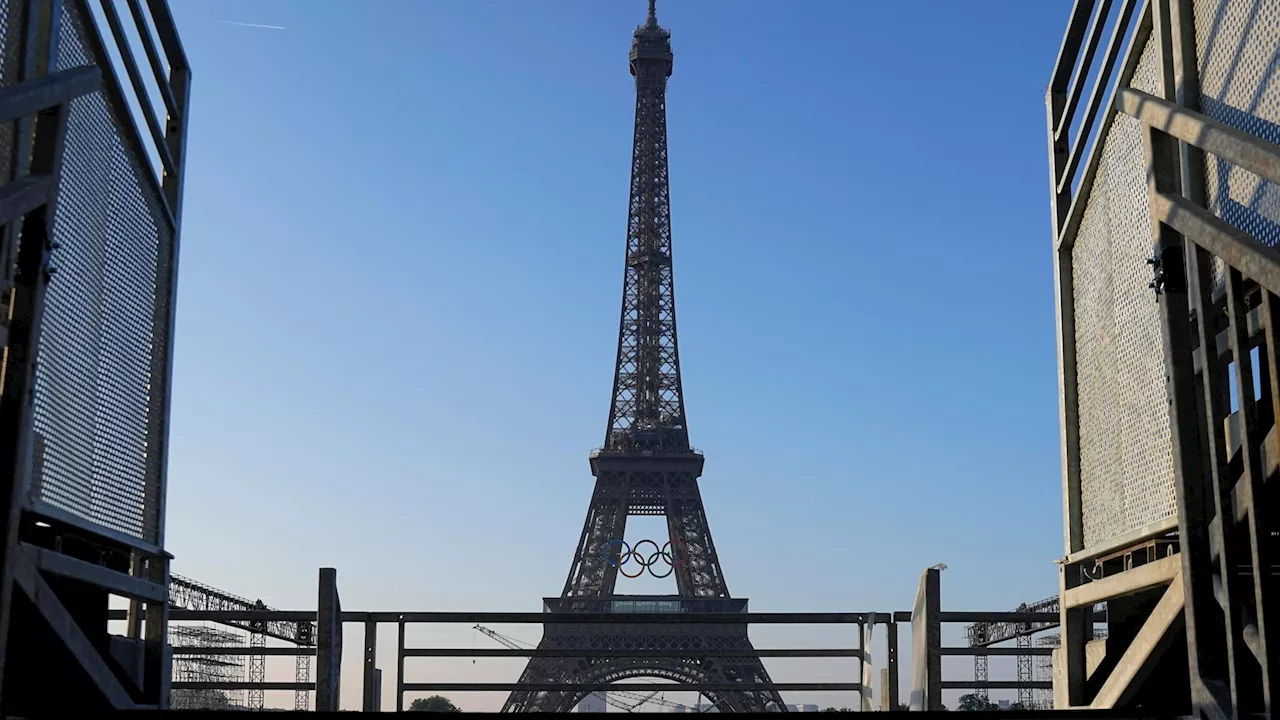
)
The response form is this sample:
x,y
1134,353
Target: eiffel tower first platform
x,y
647,467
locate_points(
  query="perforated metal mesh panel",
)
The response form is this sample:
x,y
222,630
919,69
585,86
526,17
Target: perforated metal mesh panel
x,y
1126,465
1236,46
10,54
102,347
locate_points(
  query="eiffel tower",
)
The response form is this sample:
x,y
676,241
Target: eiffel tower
x,y
646,467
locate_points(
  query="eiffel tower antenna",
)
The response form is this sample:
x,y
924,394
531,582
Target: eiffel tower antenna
x,y
646,466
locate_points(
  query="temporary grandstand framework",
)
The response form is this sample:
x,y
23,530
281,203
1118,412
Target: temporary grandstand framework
x,y
207,668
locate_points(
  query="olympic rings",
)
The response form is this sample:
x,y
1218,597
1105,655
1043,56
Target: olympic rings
x,y
617,553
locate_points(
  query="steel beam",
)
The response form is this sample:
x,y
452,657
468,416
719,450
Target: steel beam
x,y
68,631
1143,577
118,583
996,685
46,92
633,687
560,652
1145,650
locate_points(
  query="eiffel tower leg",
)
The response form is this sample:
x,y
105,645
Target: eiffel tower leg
x,y
590,575
590,673
698,573
595,675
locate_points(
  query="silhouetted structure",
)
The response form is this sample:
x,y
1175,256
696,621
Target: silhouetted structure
x,y
647,467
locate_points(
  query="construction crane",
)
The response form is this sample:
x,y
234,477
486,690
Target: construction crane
x,y
611,696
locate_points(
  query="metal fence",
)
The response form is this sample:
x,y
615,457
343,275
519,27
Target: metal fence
x,y
102,379
925,621
1119,474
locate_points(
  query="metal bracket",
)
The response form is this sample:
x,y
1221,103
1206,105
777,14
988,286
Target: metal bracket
x,y
1168,267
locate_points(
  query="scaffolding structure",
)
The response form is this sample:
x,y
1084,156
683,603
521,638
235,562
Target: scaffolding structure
x,y
207,668
1044,672
188,594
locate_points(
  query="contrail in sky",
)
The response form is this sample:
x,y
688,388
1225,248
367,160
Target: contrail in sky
x,y
253,25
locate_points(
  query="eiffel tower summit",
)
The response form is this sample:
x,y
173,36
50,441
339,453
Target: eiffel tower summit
x,y
646,467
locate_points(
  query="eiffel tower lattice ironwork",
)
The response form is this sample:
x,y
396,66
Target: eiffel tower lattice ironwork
x,y
646,467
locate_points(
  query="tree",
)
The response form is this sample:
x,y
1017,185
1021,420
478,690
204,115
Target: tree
x,y
435,703
973,702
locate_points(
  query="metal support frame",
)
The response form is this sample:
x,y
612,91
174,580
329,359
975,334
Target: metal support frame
x,y
57,571
926,620
328,650
1074,163
986,634
1211,584
187,594
257,670
1227,568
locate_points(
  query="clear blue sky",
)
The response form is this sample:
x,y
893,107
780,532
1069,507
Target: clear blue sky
x,y
401,271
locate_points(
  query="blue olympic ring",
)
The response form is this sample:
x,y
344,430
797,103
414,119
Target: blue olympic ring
x,y
617,553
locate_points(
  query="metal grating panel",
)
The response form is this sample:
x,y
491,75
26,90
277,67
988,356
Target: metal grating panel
x,y
102,346
1126,466
1237,46
10,58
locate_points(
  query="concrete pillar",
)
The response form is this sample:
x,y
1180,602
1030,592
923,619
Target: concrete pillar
x,y
328,643
926,644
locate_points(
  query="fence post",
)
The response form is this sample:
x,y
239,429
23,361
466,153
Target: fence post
x,y
926,644
868,672
371,673
400,667
328,643
891,664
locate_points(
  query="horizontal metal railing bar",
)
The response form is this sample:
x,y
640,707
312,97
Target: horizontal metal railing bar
x,y
167,30
119,583
1097,22
536,618
1236,247
242,685
153,59
570,652
1102,86
23,195
124,118
32,96
1120,542
1080,198
139,86
629,687
1143,577
996,685
178,614
1003,652
767,618
1069,49
57,515
1235,146
1011,617
240,650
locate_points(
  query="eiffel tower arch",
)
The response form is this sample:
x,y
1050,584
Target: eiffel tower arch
x,y
646,466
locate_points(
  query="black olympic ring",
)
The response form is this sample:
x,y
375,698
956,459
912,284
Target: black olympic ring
x,y
624,553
